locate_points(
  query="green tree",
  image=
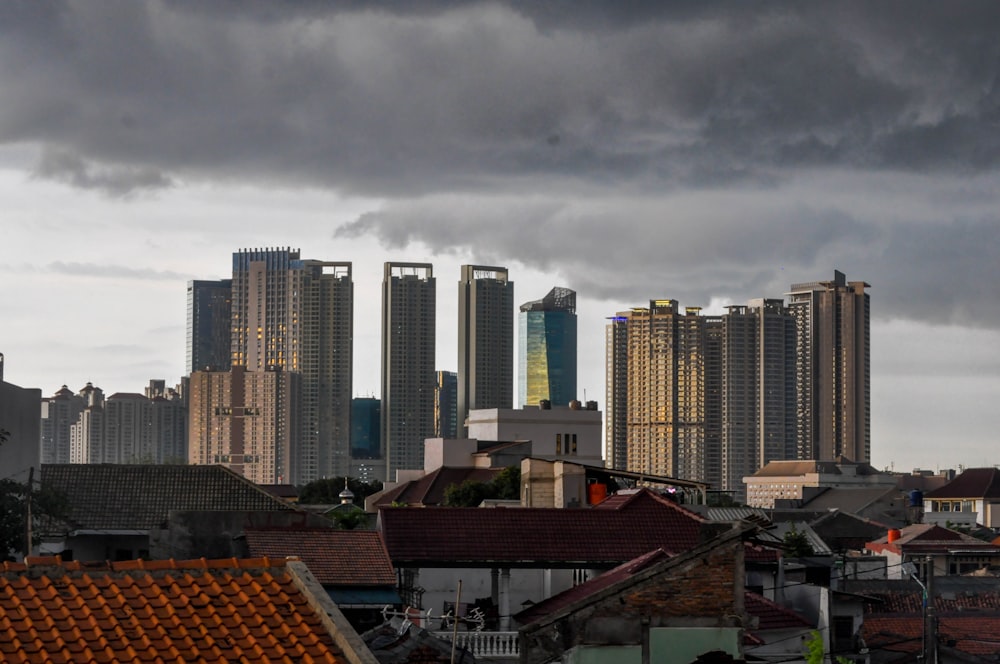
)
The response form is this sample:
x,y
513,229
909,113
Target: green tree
x,y
506,485
469,493
814,653
796,544
327,491
349,520
46,504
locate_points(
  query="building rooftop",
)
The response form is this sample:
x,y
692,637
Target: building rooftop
x,y
429,489
335,557
972,483
931,538
166,611
795,468
602,536
141,497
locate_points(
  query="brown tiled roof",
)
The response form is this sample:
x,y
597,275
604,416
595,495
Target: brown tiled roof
x,y
429,489
335,557
141,497
930,538
166,611
795,468
576,593
450,535
973,635
952,593
973,483
771,615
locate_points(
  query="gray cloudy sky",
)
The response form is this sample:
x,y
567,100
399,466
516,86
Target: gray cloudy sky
x,y
708,152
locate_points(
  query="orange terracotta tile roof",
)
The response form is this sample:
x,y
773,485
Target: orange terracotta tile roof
x,y
335,557
162,611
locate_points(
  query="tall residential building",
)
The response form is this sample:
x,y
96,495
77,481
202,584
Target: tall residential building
x,y
446,405
408,318
485,340
667,424
209,325
714,398
295,315
833,380
616,392
128,427
59,412
246,420
547,349
758,390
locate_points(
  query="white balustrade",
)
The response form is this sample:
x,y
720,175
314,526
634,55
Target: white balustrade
x,y
486,644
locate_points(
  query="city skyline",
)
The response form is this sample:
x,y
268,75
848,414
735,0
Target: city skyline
x,y
706,153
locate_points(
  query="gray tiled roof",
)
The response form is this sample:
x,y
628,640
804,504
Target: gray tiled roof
x,y
141,497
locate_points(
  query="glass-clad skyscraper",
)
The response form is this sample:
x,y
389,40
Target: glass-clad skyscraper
x,y
547,349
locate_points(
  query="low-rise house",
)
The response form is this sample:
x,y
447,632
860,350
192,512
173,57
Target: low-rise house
x,y
190,611
971,498
950,551
657,608
353,566
130,511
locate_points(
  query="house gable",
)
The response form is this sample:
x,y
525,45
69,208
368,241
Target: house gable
x,y
701,590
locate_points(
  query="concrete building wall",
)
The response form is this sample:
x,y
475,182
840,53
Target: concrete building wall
x,y
20,410
557,433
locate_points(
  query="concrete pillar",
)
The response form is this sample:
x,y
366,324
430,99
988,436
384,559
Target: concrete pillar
x,y
505,599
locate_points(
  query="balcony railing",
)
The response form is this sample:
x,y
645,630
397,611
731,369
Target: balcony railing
x,y
497,645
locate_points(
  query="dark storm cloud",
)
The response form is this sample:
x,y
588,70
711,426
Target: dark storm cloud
x,y
441,97
114,181
726,246
113,272
640,149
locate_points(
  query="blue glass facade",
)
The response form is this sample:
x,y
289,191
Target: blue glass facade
x,y
366,416
547,349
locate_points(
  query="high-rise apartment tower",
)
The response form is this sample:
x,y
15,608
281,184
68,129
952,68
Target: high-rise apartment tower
x,y
833,380
485,340
408,380
670,391
296,315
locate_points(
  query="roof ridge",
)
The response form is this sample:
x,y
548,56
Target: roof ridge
x,y
55,565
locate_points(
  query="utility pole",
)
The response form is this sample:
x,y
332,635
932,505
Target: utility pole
x,y
27,510
930,622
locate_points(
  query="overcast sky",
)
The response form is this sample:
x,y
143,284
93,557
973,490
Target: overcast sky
x,y
706,152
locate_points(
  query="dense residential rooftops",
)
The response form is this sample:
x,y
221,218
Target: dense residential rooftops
x,y
967,609
973,483
169,611
141,497
335,557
